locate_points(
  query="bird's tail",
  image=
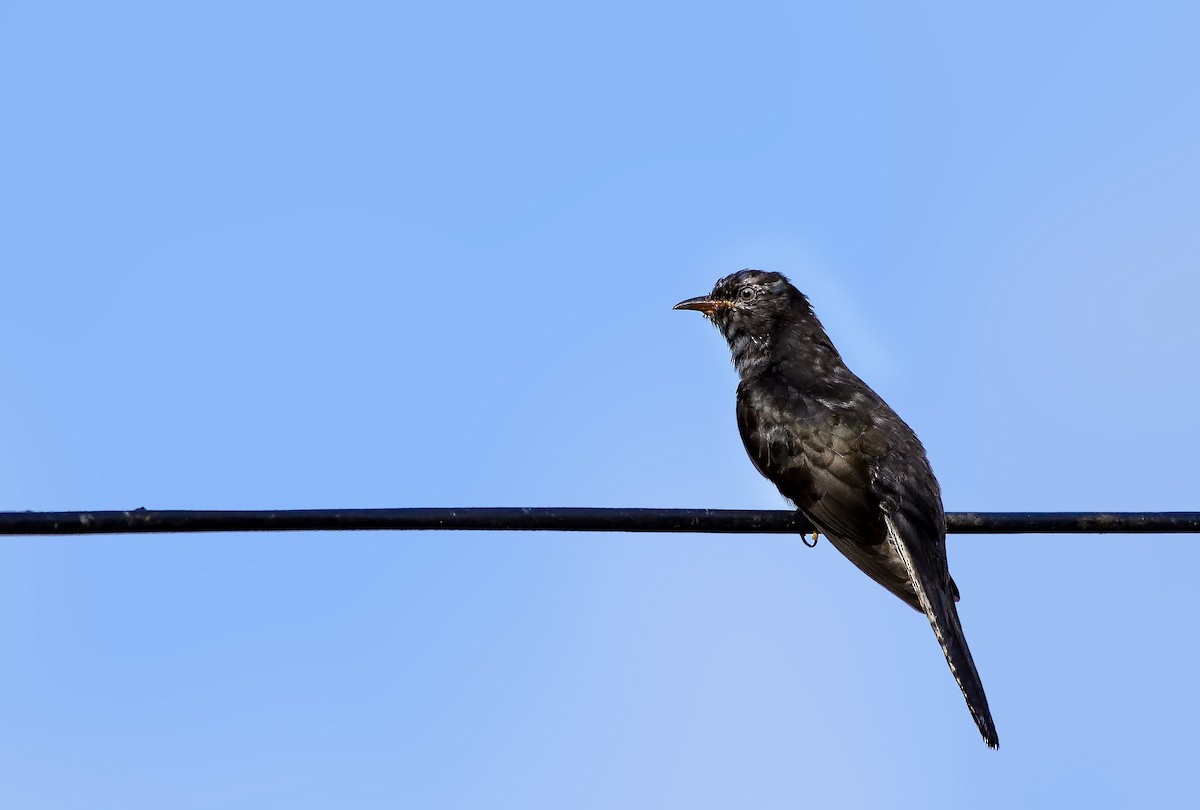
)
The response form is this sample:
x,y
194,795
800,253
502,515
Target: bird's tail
x,y
937,601
943,616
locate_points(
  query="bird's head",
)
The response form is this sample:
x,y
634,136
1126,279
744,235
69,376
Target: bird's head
x,y
749,303
752,308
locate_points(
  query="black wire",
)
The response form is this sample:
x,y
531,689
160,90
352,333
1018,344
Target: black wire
x,y
723,521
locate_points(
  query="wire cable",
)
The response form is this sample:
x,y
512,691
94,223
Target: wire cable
x,y
554,519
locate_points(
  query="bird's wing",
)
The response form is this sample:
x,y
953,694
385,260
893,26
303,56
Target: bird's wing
x,y
818,460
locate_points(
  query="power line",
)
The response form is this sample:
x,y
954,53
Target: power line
x,y
699,521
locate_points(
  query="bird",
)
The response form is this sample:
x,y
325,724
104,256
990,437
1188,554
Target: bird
x,y
841,456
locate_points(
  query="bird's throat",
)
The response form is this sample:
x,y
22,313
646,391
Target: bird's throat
x,y
750,352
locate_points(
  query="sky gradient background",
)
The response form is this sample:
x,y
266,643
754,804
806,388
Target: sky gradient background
x,y
279,255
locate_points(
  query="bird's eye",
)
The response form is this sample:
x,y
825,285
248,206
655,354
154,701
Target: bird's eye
x,y
747,293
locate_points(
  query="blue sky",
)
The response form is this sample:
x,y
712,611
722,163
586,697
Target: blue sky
x,y
279,255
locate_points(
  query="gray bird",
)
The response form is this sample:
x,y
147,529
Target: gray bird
x,y
837,451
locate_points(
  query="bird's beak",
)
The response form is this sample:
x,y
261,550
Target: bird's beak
x,y
703,304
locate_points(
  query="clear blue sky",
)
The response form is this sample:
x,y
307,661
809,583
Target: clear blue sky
x,y
267,255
